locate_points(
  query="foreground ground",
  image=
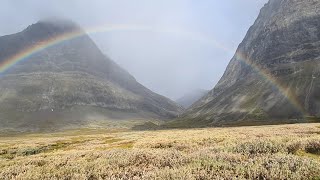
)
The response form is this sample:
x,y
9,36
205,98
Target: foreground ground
x,y
268,152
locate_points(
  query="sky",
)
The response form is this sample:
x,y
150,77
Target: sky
x,y
173,47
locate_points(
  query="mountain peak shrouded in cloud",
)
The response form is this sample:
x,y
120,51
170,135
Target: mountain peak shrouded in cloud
x,y
58,21
51,80
145,54
53,28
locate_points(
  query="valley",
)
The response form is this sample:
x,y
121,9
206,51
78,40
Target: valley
x,y
145,90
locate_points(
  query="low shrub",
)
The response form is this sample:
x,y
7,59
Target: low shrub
x,y
259,147
313,147
294,147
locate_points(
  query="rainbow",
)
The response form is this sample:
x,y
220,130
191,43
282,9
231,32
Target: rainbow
x,y
267,75
27,52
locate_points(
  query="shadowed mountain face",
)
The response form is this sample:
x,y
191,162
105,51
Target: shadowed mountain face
x,y
187,100
283,46
69,84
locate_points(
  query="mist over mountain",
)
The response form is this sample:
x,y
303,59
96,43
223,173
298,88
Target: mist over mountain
x,y
274,76
180,33
68,82
188,99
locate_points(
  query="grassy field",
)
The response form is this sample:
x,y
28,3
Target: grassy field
x,y
266,152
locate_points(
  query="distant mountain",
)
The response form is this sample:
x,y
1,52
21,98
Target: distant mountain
x,y
274,76
187,100
65,81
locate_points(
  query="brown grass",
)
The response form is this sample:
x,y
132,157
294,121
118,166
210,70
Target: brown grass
x,y
268,152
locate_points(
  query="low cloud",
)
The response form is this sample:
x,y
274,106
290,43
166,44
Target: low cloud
x,y
186,45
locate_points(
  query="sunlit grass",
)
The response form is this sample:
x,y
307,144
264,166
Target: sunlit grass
x,y
268,152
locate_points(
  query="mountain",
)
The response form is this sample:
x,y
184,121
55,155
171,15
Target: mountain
x,y
274,77
54,76
188,99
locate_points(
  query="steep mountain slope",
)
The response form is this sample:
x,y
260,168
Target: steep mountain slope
x,y
188,99
68,82
274,76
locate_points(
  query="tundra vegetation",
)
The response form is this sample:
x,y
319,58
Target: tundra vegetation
x,y
266,152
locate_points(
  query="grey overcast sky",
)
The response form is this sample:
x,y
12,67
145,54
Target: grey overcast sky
x,y
184,45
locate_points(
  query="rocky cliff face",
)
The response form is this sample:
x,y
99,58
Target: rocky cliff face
x,y
69,83
275,74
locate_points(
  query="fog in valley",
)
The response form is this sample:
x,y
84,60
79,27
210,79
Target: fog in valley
x,y
170,46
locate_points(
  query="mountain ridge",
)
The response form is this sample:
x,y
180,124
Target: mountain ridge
x,y
69,75
274,74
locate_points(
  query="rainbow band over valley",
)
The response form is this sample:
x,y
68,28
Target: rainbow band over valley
x,y
285,91
27,52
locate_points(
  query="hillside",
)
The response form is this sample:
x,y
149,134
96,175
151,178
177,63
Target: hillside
x,y
274,76
54,76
